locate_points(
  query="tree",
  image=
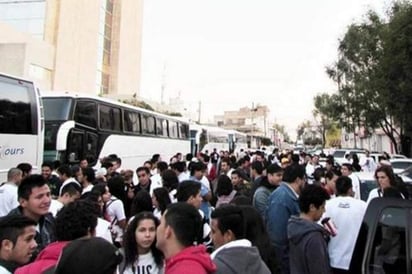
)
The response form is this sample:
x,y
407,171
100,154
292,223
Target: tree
x,y
324,113
301,129
374,75
281,129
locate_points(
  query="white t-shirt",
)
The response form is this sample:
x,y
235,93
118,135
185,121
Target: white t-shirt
x,y
87,188
355,186
347,215
55,207
103,230
8,198
374,193
183,176
3,270
115,212
145,264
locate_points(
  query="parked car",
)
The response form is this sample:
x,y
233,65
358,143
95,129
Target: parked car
x,y
368,182
340,154
400,165
383,243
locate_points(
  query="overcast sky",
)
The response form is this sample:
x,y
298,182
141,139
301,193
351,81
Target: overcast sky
x,y
232,53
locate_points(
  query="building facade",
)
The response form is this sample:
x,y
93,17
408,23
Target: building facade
x,y
91,46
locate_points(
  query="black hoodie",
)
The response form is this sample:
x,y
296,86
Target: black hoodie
x,y
308,252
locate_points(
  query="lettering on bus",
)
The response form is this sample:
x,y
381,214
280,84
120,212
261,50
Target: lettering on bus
x,y
6,151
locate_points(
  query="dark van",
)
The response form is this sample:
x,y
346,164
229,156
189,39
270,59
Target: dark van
x,y
384,243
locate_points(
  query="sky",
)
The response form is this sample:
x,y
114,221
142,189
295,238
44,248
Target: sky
x,y
234,53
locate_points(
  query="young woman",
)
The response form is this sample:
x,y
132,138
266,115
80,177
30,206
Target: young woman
x,y
160,200
140,252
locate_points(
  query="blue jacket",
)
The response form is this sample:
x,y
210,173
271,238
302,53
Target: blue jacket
x,y
283,204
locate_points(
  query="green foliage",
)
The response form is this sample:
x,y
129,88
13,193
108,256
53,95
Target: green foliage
x,y
282,130
373,73
140,104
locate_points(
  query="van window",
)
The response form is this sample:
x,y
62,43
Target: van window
x,y
388,253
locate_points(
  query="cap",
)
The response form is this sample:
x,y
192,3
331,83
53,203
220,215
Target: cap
x,y
101,172
89,255
285,160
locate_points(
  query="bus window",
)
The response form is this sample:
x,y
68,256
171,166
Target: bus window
x,y
109,118
159,127
15,110
75,146
148,124
86,113
91,148
184,131
57,109
165,128
131,122
173,130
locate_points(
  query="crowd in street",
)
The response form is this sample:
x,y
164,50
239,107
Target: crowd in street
x,y
216,212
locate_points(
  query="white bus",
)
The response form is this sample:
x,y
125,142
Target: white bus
x,y
206,138
84,126
21,125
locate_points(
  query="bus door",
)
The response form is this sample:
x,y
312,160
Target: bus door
x,y
81,144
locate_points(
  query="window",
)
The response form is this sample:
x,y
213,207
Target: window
x,y
173,130
161,127
388,253
165,128
75,146
86,113
131,122
15,109
148,124
57,109
184,131
109,118
91,148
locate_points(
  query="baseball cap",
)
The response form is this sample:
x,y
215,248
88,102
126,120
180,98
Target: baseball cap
x,y
88,255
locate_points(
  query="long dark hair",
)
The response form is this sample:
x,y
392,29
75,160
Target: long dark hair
x,y
257,234
162,197
130,244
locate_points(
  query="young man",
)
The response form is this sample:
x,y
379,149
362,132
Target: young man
x,y
308,250
234,253
69,193
268,184
17,242
346,170
8,191
52,180
34,199
76,220
347,214
190,192
177,235
283,203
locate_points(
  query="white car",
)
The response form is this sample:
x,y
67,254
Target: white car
x,y
400,165
368,182
340,154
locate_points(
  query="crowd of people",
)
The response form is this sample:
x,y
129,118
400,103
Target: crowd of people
x,y
217,212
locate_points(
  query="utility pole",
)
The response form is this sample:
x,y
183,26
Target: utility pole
x,y
252,114
199,111
162,94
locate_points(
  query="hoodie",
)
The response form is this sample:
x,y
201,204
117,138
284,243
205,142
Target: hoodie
x,y
308,252
190,260
239,257
47,257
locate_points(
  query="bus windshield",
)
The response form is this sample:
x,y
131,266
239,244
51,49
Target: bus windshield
x,y
15,109
57,109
